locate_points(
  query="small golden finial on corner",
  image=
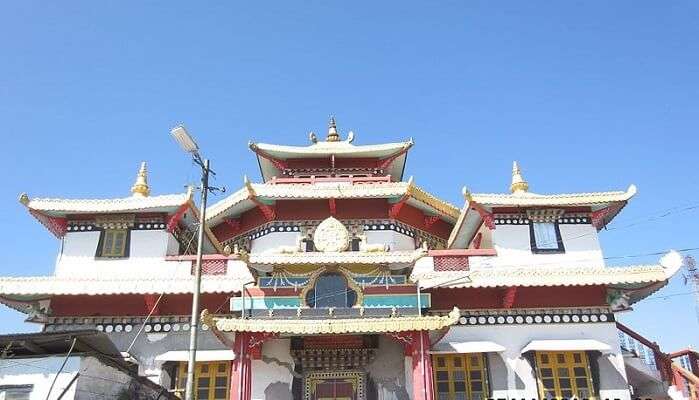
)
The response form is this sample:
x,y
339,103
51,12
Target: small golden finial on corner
x,y
140,187
467,194
24,199
518,185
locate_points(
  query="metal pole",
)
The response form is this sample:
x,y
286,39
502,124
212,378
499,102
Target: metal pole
x,y
72,381
194,326
419,302
242,297
65,360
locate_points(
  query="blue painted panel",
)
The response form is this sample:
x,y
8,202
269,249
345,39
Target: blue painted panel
x,y
265,303
398,301
370,301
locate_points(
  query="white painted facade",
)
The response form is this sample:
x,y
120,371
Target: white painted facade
x,y
512,375
513,246
396,241
148,249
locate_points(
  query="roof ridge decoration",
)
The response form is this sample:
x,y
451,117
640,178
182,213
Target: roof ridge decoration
x,y
518,185
333,136
333,326
140,188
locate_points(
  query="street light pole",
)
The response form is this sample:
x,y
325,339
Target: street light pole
x,y
187,143
194,325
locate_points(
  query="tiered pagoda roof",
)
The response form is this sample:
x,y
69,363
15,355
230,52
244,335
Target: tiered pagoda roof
x,y
604,206
276,160
54,213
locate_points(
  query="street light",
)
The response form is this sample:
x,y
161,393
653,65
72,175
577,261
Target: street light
x,y
187,143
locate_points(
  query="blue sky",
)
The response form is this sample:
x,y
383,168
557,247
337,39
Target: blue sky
x,y
588,96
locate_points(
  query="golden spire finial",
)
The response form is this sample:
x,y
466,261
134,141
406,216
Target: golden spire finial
x,y
519,185
333,136
140,187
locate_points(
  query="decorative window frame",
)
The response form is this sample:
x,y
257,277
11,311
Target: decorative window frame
x,y
586,362
559,240
466,366
549,216
312,377
100,244
351,284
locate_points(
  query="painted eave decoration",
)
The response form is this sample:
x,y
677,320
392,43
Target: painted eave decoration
x,y
63,207
29,288
626,278
332,326
596,199
240,201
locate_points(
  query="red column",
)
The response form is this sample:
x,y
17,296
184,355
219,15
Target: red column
x,y
422,367
417,345
241,378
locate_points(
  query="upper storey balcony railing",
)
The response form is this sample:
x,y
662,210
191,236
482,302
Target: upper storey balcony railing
x,y
326,179
458,259
658,363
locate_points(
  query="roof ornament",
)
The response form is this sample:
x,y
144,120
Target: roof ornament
x,y
140,188
24,198
248,186
333,136
467,194
519,185
312,137
331,236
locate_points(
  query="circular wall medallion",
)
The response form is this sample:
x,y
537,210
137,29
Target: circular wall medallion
x,y
331,236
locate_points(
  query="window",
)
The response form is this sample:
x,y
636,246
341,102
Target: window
x,y
211,380
564,375
545,237
113,243
460,377
331,290
15,392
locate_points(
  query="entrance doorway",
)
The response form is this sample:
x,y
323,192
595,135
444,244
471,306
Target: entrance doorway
x,y
340,385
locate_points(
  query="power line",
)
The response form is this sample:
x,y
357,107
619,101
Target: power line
x,y
665,297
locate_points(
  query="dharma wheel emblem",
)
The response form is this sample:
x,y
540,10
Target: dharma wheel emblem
x,y
331,236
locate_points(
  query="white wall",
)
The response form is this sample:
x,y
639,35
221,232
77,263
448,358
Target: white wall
x,y
513,247
272,241
272,376
40,373
521,381
147,257
149,243
388,371
395,240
